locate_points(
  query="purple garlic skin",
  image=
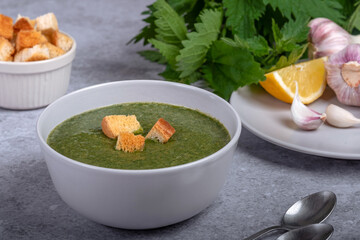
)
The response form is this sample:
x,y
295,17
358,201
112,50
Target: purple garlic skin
x,y
343,74
326,38
304,117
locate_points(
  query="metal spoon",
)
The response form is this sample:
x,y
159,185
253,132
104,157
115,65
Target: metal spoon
x,y
314,208
320,231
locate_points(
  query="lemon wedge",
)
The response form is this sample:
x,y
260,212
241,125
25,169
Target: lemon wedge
x,y
311,78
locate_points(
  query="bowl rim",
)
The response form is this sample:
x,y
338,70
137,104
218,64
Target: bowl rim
x,y
201,161
12,67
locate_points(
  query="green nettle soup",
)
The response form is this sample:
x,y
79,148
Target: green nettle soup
x,y
197,135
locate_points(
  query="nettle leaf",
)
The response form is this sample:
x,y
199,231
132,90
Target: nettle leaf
x,y
292,33
296,30
241,15
192,56
169,51
182,6
285,6
148,31
354,21
153,56
228,68
172,75
297,53
236,42
194,77
313,8
293,57
276,34
256,45
171,27
323,8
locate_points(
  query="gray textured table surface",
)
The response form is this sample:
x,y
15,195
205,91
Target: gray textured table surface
x,y
263,182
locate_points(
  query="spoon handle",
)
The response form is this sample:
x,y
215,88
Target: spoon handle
x,y
264,231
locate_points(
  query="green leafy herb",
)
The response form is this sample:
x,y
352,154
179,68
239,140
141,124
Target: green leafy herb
x,y
241,16
169,51
229,68
312,8
192,56
153,56
171,27
233,43
354,21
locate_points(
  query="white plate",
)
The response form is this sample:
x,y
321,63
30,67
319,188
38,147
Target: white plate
x,y
270,119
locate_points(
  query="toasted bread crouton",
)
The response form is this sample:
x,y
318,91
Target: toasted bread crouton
x,y
32,21
6,27
47,24
61,40
36,53
28,39
23,23
6,50
54,51
129,142
113,125
43,39
161,131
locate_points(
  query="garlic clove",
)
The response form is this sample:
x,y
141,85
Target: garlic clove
x,y
304,117
339,117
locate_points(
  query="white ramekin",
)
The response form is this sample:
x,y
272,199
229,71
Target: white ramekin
x,y
29,85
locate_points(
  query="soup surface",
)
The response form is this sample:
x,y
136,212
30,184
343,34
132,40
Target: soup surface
x,y
197,135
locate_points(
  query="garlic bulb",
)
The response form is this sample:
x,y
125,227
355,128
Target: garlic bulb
x,y
326,38
339,117
343,74
304,117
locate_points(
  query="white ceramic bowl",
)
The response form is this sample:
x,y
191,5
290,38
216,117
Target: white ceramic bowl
x,y
138,199
29,85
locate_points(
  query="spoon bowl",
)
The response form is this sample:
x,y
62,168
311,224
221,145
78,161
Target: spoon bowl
x,y
314,208
311,209
320,231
